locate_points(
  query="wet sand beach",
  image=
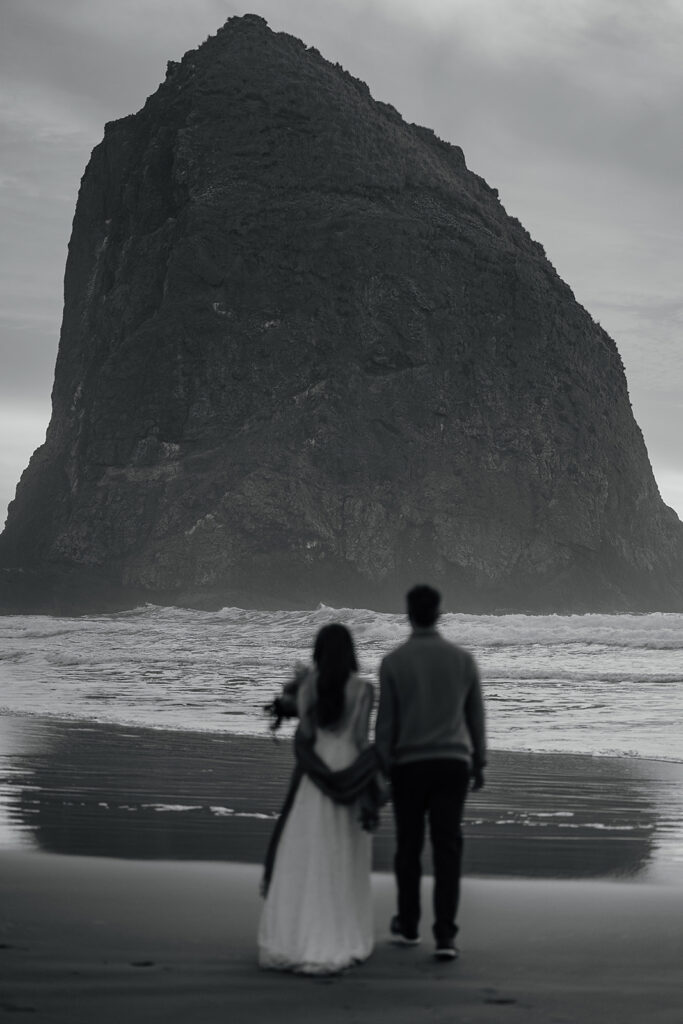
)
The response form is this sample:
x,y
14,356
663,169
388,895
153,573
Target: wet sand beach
x,y
129,888
102,790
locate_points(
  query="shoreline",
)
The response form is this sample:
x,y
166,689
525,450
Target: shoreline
x,y
96,938
283,738
83,788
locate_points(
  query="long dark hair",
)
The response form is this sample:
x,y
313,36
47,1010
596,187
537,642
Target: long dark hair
x,y
335,659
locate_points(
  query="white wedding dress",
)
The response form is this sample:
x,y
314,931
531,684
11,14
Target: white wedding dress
x,y
317,916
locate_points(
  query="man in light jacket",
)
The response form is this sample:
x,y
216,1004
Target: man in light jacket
x,y
430,737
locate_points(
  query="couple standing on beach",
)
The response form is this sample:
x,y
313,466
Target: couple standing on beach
x,y
430,744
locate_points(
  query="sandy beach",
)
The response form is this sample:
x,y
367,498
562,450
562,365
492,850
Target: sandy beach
x,y
129,871
111,940
117,791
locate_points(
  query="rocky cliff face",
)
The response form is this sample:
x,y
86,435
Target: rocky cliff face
x,y
307,356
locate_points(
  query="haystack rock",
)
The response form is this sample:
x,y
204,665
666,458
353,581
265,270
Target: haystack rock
x,y
307,356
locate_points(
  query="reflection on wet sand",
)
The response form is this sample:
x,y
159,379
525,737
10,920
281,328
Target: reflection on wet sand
x,y
105,790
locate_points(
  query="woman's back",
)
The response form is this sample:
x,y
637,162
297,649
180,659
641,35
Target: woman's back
x,y
338,744
318,913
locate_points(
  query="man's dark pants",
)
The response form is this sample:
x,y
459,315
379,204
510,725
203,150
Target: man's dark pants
x,y
436,788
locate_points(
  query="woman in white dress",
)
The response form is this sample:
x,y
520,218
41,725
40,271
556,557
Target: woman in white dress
x,y
317,915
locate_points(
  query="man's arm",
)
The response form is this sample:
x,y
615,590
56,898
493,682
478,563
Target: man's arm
x,y
476,724
386,725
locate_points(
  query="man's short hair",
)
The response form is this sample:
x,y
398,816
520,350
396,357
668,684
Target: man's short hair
x,y
423,604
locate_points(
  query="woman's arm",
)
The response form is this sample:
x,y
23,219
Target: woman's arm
x,y
386,725
305,699
361,722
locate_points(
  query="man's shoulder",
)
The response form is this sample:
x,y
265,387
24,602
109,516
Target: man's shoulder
x,y
398,653
424,641
394,653
462,651
416,642
464,656
448,649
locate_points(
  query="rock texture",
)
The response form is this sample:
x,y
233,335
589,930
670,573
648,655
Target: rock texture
x,y
307,356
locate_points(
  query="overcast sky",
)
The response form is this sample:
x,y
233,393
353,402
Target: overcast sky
x,y
571,109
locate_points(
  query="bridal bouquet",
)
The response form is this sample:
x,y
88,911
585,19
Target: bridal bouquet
x,y
284,705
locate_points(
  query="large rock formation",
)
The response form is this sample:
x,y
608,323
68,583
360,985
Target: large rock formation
x,y
307,356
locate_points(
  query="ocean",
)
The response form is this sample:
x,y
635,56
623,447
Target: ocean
x,y
586,684
142,734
